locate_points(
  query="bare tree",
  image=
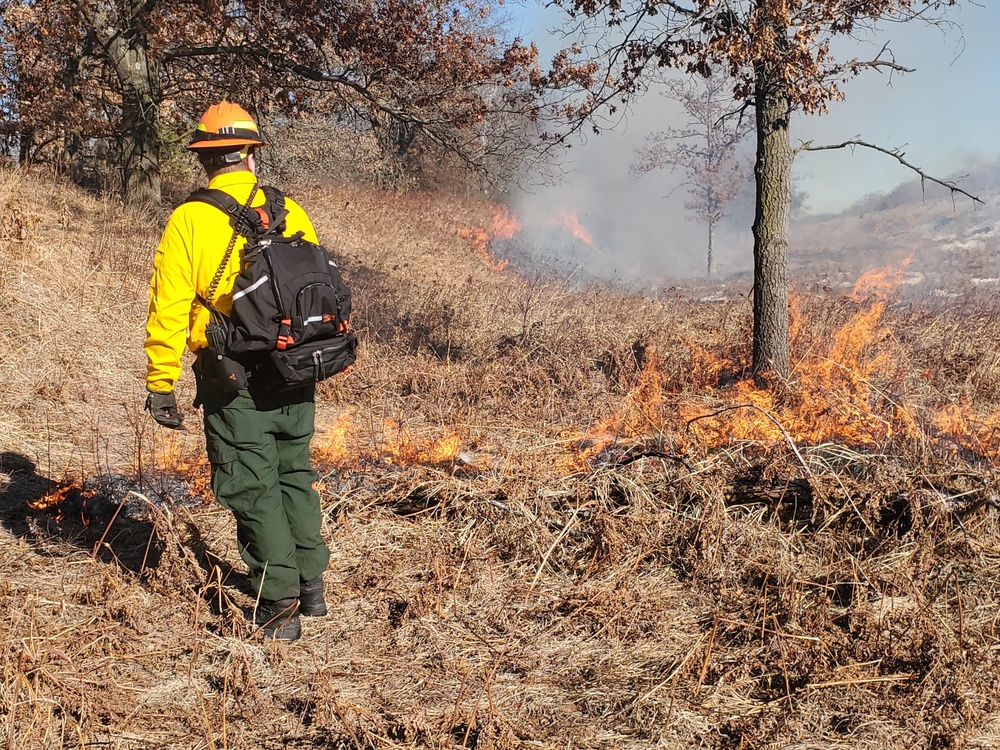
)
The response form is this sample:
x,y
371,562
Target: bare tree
x,y
705,150
778,53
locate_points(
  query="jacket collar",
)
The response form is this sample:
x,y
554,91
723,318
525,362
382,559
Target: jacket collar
x,y
232,179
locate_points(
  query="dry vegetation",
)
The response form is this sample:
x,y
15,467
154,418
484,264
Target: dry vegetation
x,y
534,544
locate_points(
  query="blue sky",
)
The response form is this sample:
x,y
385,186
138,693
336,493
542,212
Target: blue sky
x,y
945,113
944,116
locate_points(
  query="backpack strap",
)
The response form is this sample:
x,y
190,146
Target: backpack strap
x,y
274,204
236,218
252,222
244,219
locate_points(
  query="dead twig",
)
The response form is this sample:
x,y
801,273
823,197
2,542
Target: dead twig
x,y
771,417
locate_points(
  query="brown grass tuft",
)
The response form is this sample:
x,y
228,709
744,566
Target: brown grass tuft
x,y
533,546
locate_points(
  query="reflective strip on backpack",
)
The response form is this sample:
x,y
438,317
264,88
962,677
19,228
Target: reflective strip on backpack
x,y
332,263
251,288
315,319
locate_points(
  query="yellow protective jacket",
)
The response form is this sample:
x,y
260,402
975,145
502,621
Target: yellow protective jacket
x,y
190,252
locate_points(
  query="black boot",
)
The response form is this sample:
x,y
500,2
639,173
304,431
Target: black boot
x,y
311,601
279,619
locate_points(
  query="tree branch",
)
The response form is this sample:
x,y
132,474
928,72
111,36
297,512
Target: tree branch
x,y
434,128
855,65
878,62
279,61
898,156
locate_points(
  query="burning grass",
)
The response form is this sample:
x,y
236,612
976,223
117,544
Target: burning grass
x,y
558,517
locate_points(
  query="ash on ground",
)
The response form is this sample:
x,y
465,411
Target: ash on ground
x,y
123,489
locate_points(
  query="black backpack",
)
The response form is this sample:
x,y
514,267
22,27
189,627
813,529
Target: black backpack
x,y
290,304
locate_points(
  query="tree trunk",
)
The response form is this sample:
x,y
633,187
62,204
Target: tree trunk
x,y
26,140
711,248
140,135
138,73
773,173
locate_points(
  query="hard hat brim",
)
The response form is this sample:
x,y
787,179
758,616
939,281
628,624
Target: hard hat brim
x,y
219,143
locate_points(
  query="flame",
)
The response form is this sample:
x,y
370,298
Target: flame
x,y
843,394
880,283
966,430
505,225
638,414
835,393
844,391
58,502
705,365
569,222
332,448
399,447
185,458
953,419
341,446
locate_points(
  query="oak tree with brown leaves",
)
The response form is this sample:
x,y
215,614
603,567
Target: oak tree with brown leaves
x,y
778,52
435,73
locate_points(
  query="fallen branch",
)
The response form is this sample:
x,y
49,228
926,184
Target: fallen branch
x,y
861,681
788,438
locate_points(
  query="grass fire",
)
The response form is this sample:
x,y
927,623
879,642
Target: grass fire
x,y
65,500
560,514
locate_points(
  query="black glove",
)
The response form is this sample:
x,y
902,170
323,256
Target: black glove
x,y
163,408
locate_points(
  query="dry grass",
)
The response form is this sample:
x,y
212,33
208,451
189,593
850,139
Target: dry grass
x,y
585,571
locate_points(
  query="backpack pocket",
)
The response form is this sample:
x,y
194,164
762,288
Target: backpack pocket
x,y
255,315
310,363
317,313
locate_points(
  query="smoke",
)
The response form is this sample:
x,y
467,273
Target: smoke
x,y
643,235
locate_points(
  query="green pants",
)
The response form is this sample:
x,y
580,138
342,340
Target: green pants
x,y
259,450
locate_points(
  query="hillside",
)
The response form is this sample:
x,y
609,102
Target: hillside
x,y
559,515
950,246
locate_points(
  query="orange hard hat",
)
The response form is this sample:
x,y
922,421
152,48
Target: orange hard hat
x,y
225,125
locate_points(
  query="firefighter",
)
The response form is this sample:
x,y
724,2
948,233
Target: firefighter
x,y
257,440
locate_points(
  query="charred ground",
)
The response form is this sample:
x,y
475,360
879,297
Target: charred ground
x,y
560,516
